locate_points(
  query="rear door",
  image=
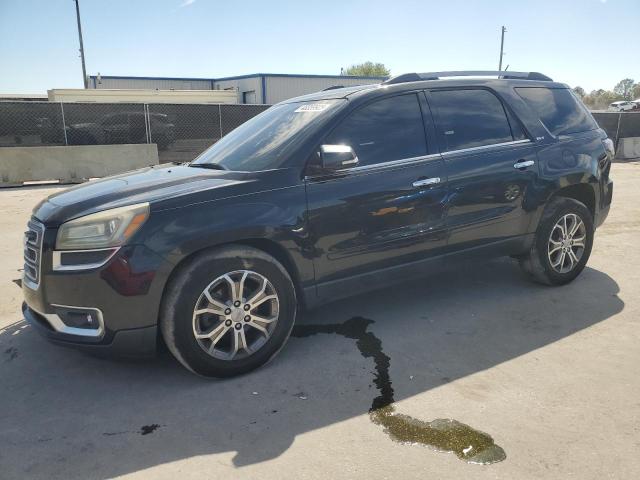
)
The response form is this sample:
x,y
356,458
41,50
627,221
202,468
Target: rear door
x,y
390,208
491,166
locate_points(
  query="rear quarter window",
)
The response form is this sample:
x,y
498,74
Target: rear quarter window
x,y
558,109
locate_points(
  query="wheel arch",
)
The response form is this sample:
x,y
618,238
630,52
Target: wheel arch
x,y
265,245
582,192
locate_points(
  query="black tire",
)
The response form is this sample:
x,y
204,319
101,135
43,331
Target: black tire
x,y
536,262
184,290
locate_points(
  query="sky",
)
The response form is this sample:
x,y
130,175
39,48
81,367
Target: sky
x,y
590,43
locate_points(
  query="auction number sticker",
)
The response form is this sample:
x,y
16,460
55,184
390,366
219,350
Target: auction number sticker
x,y
312,107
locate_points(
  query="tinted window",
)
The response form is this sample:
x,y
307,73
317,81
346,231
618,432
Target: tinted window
x,y
558,109
265,141
470,118
385,130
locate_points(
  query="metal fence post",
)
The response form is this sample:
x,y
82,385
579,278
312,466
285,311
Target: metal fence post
x,y
618,130
220,118
147,121
64,125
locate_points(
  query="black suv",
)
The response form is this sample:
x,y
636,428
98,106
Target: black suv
x,y
319,197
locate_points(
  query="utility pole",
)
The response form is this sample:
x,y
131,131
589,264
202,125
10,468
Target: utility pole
x,y
84,70
504,29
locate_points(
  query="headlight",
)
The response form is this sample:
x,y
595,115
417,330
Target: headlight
x,y
110,228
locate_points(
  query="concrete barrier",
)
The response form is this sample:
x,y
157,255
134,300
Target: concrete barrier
x,y
628,148
72,164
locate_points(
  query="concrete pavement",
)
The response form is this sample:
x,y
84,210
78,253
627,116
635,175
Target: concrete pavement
x,y
550,374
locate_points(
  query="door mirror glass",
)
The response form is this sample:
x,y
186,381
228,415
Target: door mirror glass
x,y
337,157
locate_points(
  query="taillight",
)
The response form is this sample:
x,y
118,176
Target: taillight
x,y
609,147
610,153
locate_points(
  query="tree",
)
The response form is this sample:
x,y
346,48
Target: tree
x,y
624,88
600,99
579,91
368,69
636,92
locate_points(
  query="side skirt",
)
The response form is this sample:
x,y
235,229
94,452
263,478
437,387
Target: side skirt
x,y
345,287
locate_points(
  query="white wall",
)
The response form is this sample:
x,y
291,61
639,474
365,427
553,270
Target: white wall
x,y
141,96
277,88
72,164
628,148
283,88
242,85
178,84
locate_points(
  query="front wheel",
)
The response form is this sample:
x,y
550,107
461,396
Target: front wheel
x,y
563,243
228,311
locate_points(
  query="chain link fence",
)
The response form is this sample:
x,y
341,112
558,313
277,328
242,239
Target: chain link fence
x,y
619,124
31,123
181,131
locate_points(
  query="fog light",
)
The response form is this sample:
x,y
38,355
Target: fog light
x,y
79,317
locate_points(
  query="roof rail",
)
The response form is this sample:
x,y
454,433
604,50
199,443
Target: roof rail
x,y
332,87
416,77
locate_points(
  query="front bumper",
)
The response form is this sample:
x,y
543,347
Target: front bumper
x,y
122,297
132,342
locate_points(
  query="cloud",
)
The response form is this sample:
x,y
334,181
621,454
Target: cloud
x,y
186,3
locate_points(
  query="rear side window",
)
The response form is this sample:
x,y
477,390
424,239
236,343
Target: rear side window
x,y
385,130
558,109
471,118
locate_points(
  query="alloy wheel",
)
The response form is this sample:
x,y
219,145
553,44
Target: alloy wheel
x,y
567,243
235,315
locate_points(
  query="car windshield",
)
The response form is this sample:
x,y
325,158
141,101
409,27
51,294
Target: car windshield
x,y
263,142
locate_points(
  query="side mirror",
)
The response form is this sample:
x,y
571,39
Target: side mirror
x,y
337,157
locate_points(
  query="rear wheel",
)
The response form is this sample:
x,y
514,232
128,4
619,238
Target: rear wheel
x,y
563,243
228,311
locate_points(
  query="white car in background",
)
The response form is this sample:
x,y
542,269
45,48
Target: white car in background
x,y
622,106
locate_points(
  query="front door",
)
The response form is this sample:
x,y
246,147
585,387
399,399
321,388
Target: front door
x,y
390,208
491,167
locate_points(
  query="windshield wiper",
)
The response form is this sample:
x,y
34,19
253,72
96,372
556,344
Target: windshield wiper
x,y
210,166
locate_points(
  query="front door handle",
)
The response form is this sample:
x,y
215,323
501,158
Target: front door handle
x,y
426,182
523,164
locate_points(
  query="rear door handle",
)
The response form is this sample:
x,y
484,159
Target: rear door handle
x,y
523,164
426,182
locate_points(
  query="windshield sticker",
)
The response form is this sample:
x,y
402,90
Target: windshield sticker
x,y
312,107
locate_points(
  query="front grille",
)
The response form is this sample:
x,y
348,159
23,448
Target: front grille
x,y
33,253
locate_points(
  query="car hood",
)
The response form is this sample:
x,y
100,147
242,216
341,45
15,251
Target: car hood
x,y
164,186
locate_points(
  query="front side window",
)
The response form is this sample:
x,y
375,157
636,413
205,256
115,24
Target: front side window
x,y
471,118
558,109
382,131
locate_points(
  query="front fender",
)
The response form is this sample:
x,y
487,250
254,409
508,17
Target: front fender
x,y
277,216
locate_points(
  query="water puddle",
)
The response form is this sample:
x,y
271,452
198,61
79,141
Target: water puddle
x,y
443,435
